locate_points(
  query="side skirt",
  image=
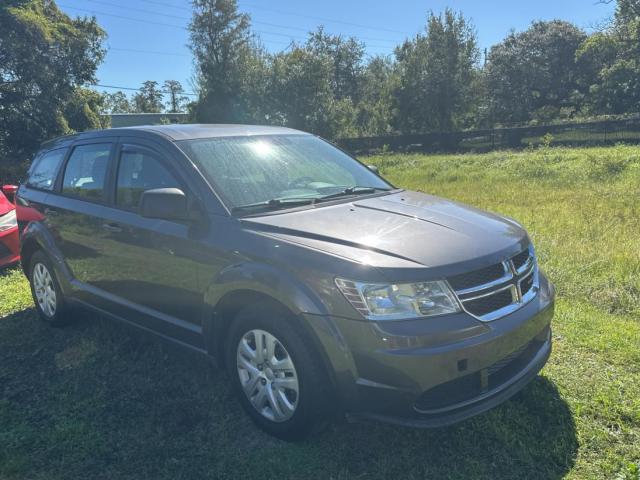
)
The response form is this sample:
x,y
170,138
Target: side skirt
x,y
118,318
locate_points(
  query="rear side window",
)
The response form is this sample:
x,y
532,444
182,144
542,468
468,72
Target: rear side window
x,y
139,171
44,170
86,171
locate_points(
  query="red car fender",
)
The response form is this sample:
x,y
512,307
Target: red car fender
x,y
10,239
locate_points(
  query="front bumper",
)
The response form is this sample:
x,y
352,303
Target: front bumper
x,y
435,372
474,405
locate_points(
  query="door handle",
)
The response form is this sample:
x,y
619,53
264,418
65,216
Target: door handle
x,y
111,228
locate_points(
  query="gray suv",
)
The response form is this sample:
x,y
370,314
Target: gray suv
x,y
321,287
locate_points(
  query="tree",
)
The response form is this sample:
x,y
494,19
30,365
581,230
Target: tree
x,y
436,73
85,111
533,74
612,60
117,102
347,56
300,91
149,98
226,59
375,108
627,11
317,85
44,57
177,100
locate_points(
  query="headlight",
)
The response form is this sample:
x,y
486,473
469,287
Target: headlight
x,y
8,221
399,301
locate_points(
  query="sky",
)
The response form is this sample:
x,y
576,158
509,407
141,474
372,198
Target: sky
x,y
147,39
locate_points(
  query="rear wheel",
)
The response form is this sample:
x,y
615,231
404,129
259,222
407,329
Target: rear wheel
x,y
276,375
47,296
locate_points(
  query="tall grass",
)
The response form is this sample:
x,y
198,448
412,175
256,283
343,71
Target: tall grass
x,y
581,206
93,401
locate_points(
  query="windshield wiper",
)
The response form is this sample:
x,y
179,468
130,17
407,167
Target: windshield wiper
x,y
276,203
355,190
289,202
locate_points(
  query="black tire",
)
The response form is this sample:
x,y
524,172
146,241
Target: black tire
x,y
63,312
314,395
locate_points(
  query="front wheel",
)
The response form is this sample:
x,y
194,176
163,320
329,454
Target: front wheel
x,y
276,375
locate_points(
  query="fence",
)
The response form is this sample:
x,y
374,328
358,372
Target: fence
x,y
589,133
136,119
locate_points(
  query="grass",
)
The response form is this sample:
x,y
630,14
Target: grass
x,y
97,400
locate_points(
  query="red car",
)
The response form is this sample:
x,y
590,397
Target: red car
x,y
9,240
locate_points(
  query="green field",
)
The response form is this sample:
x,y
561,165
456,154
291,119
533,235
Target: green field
x,y
97,401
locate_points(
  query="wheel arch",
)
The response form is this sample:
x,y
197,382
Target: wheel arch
x,y
253,281
28,248
34,238
241,285
225,311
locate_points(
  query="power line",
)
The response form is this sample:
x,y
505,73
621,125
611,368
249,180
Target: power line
x,y
369,27
139,20
322,19
115,87
121,16
163,4
152,52
276,25
133,9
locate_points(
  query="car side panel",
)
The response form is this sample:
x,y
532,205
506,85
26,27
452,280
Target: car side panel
x,y
37,232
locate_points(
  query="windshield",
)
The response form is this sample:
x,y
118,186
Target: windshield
x,y
278,171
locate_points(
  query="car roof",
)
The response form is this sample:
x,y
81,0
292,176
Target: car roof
x,y
177,132
192,131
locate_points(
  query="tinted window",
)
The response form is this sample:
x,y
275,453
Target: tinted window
x,y
137,172
43,173
86,171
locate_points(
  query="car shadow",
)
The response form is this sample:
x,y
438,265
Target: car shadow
x,y
99,399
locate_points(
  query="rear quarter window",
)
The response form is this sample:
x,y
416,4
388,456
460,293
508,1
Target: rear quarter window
x,y
45,168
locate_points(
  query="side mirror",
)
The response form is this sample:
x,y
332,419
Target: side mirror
x,y
374,169
164,203
10,192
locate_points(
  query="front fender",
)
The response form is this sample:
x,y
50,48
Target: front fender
x,y
260,281
267,280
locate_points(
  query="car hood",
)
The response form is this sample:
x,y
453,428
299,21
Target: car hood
x,y
407,229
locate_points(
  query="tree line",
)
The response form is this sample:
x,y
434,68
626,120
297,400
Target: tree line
x,y
438,80
150,98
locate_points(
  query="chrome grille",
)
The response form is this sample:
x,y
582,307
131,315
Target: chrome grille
x,y
500,289
526,284
521,259
477,277
490,303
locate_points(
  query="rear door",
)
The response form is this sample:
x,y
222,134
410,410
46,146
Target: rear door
x,y
75,210
152,264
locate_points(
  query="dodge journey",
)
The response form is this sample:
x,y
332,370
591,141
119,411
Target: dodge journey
x,y
319,286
